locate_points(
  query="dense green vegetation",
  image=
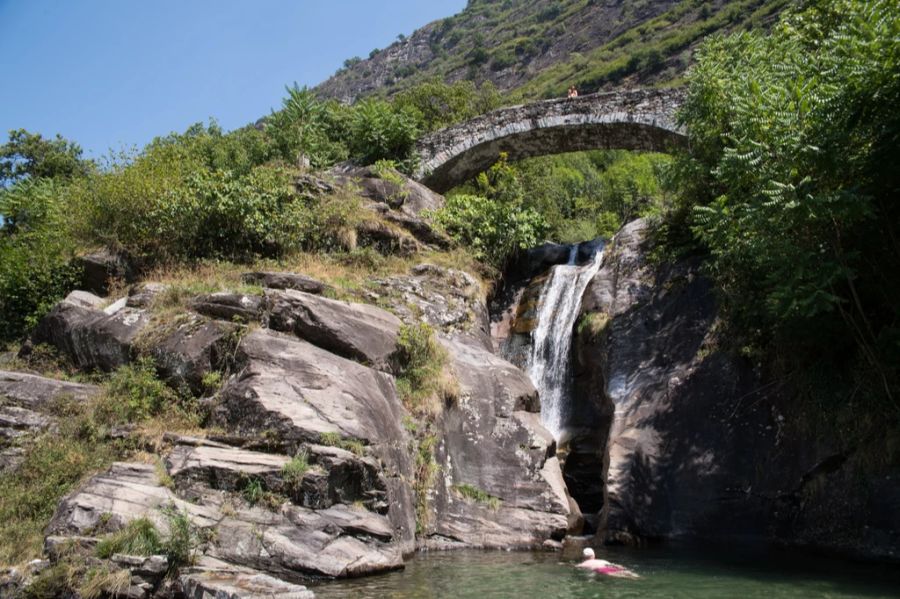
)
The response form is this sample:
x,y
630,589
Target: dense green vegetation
x,y
791,187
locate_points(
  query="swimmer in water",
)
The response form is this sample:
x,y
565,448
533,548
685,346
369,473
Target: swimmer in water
x,y
601,566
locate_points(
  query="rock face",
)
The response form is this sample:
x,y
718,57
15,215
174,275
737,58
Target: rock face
x,y
102,266
500,449
285,280
313,464
26,401
689,440
357,331
401,203
94,339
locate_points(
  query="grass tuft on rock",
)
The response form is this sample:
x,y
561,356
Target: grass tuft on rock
x,y
354,446
138,537
477,495
293,471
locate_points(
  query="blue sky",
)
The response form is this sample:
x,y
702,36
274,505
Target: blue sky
x,y
116,73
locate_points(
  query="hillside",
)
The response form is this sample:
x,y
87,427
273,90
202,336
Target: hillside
x,y
537,48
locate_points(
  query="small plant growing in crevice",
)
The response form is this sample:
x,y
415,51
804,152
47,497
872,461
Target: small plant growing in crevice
x,y
422,375
293,471
477,495
592,325
254,492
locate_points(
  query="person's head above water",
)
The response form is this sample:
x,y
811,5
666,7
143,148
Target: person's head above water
x,y
588,553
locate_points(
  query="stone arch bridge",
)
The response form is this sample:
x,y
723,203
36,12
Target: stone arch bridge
x,y
641,119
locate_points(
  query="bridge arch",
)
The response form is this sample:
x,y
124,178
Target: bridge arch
x,y
629,120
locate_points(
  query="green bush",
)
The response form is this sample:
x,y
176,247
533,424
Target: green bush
x,y
380,131
437,104
36,252
307,126
491,229
134,393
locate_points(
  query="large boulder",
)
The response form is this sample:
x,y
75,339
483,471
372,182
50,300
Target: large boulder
x,y
291,393
191,347
394,189
91,338
359,332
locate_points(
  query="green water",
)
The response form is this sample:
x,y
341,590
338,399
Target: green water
x,y
666,573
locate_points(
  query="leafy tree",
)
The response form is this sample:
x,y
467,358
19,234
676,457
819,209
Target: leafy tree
x,y
789,183
306,126
31,155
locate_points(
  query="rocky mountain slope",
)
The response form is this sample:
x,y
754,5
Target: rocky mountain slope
x,y
537,48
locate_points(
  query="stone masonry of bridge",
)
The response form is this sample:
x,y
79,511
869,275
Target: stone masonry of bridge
x,y
642,119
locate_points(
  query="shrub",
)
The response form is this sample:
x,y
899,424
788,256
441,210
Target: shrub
x,y
36,252
134,393
492,229
437,104
307,126
380,131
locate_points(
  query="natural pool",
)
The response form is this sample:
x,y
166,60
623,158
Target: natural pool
x,y
670,573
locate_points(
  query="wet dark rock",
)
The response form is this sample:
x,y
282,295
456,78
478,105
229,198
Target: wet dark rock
x,y
285,280
689,426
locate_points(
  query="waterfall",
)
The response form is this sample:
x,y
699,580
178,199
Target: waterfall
x,y
549,365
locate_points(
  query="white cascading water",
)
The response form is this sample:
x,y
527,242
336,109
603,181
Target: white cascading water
x,y
549,364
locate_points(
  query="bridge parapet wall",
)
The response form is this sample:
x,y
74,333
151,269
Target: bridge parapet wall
x,y
633,120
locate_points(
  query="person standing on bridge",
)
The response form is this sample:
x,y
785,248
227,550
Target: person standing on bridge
x,y
573,92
